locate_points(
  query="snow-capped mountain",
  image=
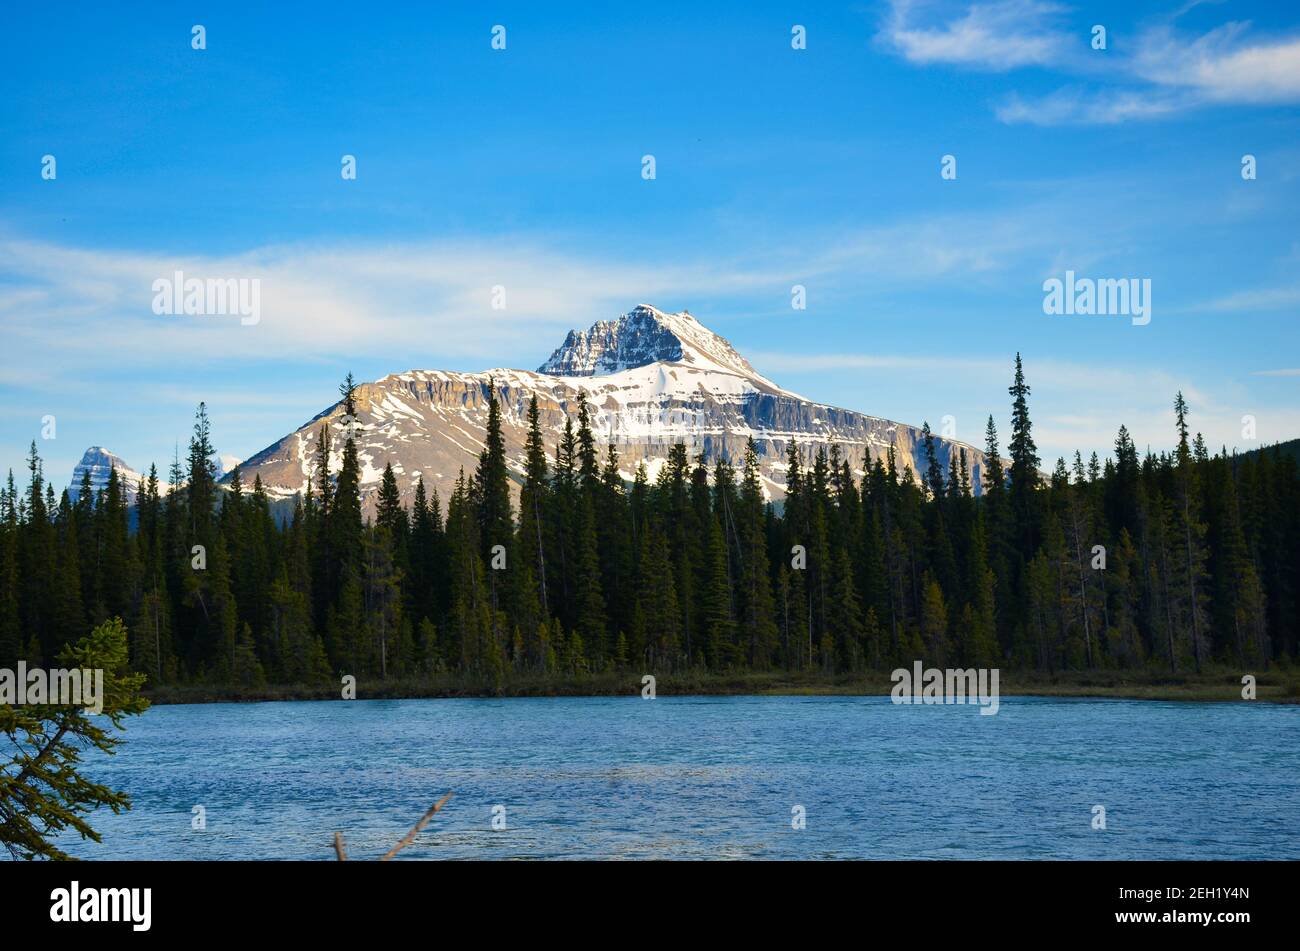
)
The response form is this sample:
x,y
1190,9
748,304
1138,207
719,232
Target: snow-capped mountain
x,y
225,464
651,378
643,336
98,461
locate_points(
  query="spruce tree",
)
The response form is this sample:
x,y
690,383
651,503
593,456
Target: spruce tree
x,y
533,521
11,645
1192,577
46,790
757,622
590,601
1023,475
657,633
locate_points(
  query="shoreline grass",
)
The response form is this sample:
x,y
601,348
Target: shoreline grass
x,y
1277,686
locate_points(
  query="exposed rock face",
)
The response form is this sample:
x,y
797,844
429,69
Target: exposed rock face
x,y
652,379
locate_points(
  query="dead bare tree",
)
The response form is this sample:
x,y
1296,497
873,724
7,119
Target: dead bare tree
x,y
406,839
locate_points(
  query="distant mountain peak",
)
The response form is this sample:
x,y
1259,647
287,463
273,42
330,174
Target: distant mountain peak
x,y
642,336
225,464
98,462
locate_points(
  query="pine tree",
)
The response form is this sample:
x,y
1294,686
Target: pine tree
x,y
492,483
116,565
1192,576
1239,589
1079,534
383,598
350,650
1123,577
657,634
427,584
533,503
719,627
88,555
588,464
221,626
563,511
844,619
150,641
36,558
11,645
979,646
934,473
47,791
1024,461
247,669
391,516
757,623
201,484
470,622
614,539
934,623
68,612
343,520
590,601
874,578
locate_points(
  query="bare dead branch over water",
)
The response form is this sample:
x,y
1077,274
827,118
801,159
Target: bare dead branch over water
x,y
406,840
410,836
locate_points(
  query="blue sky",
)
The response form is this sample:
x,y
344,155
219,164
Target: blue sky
x,y
522,167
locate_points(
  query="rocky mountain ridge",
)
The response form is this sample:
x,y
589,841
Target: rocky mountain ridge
x,y
651,378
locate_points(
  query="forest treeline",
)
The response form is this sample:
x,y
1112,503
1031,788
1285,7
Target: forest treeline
x,y
1171,561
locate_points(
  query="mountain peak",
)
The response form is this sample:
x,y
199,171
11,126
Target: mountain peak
x,y
642,336
651,379
98,456
98,462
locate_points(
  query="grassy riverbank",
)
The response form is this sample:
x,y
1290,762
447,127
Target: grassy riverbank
x,y
1276,685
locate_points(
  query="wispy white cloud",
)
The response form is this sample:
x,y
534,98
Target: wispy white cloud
x,y
1224,65
1167,72
435,297
1259,299
1075,106
318,301
999,35
1170,74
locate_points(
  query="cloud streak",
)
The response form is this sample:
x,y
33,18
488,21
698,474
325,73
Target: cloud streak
x,y
996,36
435,297
1167,73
